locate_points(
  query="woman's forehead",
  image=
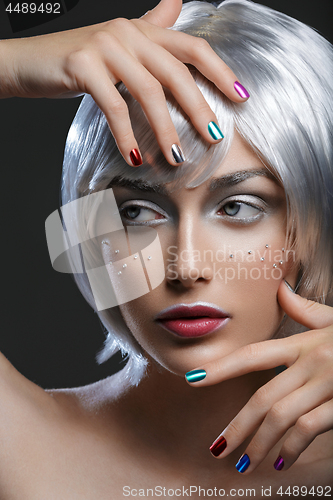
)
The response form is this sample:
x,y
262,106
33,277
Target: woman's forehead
x,y
240,156
239,164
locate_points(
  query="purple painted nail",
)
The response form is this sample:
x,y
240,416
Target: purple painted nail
x,y
241,90
279,463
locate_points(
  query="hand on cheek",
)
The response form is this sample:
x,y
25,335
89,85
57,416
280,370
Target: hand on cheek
x,y
300,397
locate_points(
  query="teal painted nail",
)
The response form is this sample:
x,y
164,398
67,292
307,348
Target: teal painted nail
x,y
195,375
214,131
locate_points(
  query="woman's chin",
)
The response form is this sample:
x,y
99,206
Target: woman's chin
x,y
180,361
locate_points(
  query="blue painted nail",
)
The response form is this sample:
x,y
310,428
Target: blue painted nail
x,y
195,375
243,463
214,131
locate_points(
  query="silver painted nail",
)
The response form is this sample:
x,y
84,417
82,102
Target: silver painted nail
x,y
289,286
177,153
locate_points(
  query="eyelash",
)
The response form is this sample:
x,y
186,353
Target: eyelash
x,y
241,203
230,218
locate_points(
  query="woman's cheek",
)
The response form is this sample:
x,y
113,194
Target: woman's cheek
x,y
243,280
257,276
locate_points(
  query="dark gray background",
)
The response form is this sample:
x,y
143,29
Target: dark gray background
x,y
48,331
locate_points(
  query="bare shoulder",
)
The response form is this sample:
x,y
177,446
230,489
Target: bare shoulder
x,y
17,392
24,406
23,401
46,437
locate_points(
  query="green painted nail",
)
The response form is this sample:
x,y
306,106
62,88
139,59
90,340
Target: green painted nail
x,y
195,375
214,131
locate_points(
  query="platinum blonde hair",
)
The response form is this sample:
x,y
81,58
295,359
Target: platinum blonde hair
x,y
287,68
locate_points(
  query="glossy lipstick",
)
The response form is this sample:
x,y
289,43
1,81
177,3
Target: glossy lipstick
x,y
192,320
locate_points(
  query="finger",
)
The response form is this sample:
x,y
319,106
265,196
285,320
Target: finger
x,y
254,412
197,52
252,357
307,427
148,91
177,78
306,312
165,13
97,83
283,415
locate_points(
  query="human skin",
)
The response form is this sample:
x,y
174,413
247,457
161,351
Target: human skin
x,y
191,223
184,417
81,443
194,225
138,52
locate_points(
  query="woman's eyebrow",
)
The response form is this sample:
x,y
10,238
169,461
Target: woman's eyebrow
x,y
229,180
138,185
224,181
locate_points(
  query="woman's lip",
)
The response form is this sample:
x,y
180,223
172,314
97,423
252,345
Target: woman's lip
x,y
194,310
193,327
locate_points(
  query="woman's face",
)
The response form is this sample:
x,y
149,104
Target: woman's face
x,y
222,244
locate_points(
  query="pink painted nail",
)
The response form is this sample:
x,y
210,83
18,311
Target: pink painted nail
x,y
241,90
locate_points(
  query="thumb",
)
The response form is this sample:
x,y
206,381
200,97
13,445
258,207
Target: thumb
x,y
165,14
306,312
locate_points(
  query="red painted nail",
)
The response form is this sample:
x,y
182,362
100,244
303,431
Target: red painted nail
x,y
135,157
218,446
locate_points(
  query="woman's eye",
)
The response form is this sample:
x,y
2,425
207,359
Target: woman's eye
x,y
140,214
239,210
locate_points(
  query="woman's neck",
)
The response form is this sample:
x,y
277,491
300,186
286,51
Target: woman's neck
x,y
164,410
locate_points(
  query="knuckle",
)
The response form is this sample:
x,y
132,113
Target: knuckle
x,y
168,133
118,107
251,352
235,431
101,38
277,414
323,354
79,59
202,108
289,450
260,398
121,23
256,449
213,366
126,138
311,308
306,426
151,89
200,46
180,73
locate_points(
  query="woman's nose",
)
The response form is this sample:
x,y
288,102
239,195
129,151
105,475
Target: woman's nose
x,y
189,261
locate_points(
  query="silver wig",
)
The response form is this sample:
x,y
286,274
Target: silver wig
x,y
287,68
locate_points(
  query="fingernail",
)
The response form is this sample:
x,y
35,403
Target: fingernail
x,y
218,446
177,153
243,463
289,286
135,157
214,131
241,90
279,463
195,375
